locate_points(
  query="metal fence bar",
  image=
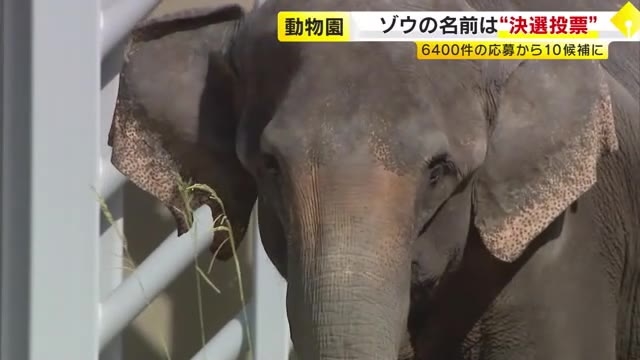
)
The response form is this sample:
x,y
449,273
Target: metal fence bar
x,y
161,267
111,238
230,341
65,57
111,263
270,327
111,180
268,322
15,194
119,17
50,164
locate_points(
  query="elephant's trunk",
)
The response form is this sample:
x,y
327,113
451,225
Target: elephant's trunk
x,y
349,314
348,282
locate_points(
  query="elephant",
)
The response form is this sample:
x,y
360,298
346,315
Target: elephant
x,y
417,209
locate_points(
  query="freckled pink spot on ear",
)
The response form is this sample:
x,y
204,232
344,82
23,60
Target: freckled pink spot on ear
x,y
556,187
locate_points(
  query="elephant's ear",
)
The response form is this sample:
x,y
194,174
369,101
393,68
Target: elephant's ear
x,y
551,122
175,116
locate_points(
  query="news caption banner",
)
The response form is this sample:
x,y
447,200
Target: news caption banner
x,y
477,35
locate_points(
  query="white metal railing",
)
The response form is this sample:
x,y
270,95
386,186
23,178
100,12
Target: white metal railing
x,y
62,291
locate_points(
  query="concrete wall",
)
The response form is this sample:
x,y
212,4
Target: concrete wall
x,y
173,319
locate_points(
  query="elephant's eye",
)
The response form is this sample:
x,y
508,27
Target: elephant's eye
x,y
271,164
436,174
439,166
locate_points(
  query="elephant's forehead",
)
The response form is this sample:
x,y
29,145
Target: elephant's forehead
x,y
343,97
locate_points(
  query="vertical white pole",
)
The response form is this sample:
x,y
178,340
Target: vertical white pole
x,y
111,181
270,327
49,212
66,148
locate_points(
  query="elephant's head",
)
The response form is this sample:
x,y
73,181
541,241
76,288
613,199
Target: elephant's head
x,y
358,153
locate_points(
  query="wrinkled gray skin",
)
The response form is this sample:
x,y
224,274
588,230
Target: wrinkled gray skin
x,y
396,195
